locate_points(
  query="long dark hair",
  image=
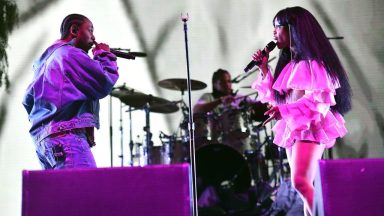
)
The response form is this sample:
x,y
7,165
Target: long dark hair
x,y
310,43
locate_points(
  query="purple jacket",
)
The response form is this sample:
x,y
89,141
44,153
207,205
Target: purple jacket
x,y
66,89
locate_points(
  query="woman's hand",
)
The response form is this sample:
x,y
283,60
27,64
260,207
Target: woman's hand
x,y
258,56
273,113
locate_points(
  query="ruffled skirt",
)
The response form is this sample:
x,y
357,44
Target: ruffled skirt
x,y
325,132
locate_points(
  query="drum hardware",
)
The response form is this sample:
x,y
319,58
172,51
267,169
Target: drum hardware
x,y
255,157
266,182
146,150
181,140
138,100
261,189
137,153
110,128
175,146
140,150
131,143
245,96
246,87
167,148
181,84
121,156
148,135
184,133
228,126
185,112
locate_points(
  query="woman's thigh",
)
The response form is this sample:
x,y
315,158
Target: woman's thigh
x,y
304,157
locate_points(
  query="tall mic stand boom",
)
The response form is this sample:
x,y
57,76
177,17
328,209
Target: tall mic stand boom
x,y
191,126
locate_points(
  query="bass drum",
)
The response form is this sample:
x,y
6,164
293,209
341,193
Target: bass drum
x,y
218,163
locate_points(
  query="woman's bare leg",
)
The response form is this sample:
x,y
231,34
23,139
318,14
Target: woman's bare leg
x,y
303,158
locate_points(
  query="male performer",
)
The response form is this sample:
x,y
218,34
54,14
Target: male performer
x,y
62,101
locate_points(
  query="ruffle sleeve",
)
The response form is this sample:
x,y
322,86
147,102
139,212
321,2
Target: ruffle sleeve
x,y
309,117
305,75
263,86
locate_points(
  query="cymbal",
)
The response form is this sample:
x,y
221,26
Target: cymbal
x,y
181,84
137,99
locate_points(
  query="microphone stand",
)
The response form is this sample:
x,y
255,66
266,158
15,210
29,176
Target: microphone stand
x,y
191,125
110,129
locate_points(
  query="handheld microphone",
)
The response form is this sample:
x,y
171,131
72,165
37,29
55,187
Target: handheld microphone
x,y
126,55
138,54
270,46
122,54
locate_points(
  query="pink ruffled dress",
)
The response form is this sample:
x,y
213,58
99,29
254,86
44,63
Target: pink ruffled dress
x,y
306,113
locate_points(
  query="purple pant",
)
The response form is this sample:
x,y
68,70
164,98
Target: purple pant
x,y
66,150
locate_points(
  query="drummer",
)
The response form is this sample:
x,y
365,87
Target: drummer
x,y
212,110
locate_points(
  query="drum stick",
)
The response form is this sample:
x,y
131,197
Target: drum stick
x,y
244,96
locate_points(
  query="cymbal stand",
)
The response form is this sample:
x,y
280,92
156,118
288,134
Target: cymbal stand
x,y
121,135
261,190
185,112
131,144
278,166
148,134
191,125
257,156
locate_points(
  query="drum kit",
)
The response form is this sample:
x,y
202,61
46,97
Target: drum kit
x,y
232,147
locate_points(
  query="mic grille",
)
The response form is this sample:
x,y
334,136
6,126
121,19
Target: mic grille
x,y
271,45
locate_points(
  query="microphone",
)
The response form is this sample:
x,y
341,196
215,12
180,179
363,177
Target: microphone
x,y
138,54
127,55
270,46
122,54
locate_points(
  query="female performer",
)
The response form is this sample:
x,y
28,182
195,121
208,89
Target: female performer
x,y
309,93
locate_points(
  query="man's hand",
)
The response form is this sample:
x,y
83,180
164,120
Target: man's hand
x,y
100,46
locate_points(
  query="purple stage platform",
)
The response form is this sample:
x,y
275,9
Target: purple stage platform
x,y
142,191
350,188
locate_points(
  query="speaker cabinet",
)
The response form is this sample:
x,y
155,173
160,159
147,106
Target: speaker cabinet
x,y
143,191
349,187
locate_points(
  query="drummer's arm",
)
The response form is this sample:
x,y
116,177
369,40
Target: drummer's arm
x,y
204,107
